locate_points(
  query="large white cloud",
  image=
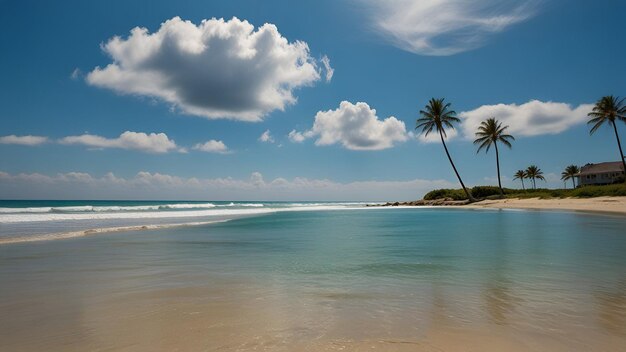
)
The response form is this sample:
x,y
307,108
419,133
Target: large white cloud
x,y
355,126
217,69
151,143
445,27
150,185
23,140
530,119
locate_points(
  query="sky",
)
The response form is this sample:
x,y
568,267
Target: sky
x,y
284,100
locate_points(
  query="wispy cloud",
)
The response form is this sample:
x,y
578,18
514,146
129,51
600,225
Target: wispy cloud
x,y
23,140
446,27
150,143
266,137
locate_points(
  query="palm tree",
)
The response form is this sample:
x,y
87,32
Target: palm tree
x,y
534,173
489,133
570,173
608,110
520,175
438,116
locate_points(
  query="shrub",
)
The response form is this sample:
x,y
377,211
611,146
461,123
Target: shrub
x,y
456,194
485,191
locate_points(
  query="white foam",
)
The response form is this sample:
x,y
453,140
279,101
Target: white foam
x,y
90,232
66,216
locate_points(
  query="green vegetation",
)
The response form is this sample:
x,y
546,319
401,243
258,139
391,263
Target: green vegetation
x,y
487,192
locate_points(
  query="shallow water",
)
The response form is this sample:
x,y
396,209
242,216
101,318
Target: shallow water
x,y
389,279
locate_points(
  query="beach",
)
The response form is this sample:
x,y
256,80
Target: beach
x,y
614,205
329,278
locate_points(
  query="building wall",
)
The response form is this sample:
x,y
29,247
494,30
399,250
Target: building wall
x,y
600,179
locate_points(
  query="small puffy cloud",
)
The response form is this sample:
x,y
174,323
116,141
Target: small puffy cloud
x,y
212,146
530,119
23,140
216,69
299,137
329,70
445,27
151,143
355,126
266,137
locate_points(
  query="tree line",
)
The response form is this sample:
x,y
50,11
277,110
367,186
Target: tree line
x,y
437,116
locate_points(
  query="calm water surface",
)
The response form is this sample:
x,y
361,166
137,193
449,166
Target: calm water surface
x,y
392,279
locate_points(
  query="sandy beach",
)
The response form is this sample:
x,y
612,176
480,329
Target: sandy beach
x,y
614,205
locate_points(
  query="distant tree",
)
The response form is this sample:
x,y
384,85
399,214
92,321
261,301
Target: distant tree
x,y
489,133
570,173
534,173
438,116
609,109
520,175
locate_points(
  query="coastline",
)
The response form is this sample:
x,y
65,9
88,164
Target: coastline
x,y
610,205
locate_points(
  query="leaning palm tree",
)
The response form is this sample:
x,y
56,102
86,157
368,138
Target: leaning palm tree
x,y
438,116
570,173
534,173
520,175
489,133
609,109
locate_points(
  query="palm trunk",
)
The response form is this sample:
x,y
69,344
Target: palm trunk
x,y
498,168
573,183
621,153
469,195
524,188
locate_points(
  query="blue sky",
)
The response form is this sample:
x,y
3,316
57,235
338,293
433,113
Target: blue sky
x,y
544,61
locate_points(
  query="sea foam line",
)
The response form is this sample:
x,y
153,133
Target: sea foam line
x,y
44,217
97,231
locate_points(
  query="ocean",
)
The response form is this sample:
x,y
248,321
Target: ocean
x,y
302,276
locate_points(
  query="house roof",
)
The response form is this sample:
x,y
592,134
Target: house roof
x,y
600,168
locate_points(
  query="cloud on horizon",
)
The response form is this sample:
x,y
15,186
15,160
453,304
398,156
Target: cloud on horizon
x,y
147,185
355,127
445,27
216,69
28,140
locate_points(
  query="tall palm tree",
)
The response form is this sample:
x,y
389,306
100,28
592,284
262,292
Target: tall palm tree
x,y
438,116
570,173
520,175
489,133
609,109
534,173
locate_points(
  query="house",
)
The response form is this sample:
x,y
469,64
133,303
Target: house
x,y
601,173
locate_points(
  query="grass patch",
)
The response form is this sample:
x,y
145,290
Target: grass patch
x,y
492,192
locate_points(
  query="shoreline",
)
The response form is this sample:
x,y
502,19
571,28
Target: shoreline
x,y
606,205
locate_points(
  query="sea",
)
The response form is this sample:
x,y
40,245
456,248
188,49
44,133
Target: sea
x,y
307,276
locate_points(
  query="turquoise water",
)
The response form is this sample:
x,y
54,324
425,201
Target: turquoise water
x,y
383,272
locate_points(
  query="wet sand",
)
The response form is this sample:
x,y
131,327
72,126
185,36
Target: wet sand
x,y
614,205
